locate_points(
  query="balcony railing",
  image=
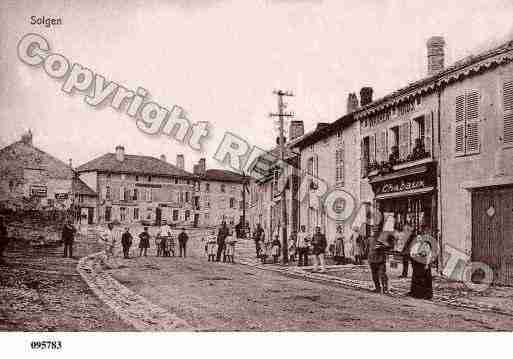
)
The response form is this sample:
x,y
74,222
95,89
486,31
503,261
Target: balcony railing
x,y
379,168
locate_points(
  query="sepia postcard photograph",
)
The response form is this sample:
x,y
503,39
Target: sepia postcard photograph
x,y
292,178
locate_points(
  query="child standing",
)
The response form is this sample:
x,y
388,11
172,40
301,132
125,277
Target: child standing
x,y
230,248
211,247
276,249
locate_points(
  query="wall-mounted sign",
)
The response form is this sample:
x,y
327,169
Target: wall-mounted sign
x,y
61,196
401,186
149,185
38,191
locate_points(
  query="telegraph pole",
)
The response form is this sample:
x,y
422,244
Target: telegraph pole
x,y
281,116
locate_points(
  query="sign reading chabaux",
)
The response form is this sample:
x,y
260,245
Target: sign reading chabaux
x,y
401,186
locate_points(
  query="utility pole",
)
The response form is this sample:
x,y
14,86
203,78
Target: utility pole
x,y
245,189
281,116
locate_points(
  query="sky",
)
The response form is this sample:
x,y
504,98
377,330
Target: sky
x,y
221,61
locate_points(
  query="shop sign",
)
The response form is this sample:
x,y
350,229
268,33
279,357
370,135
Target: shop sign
x,y
401,186
61,196
38,191
148,185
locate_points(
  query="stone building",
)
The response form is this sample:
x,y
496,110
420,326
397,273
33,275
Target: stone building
x,y
33,179
219,195
134,188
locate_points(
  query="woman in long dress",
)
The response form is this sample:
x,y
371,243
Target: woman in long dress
x,y
421,255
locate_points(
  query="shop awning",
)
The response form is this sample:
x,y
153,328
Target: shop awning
x,y
400,173
406,193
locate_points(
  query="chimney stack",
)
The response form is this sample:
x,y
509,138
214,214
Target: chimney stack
x,y
70,163
365,96
200,168
26,138
163,157
435,54
296,129
180,161
352,102
120,153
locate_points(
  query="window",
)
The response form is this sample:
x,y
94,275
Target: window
x,y
507,96
136,213
241,205
175,215
187,197
339,165
122,214
310,166
108,214
187,215
223,188
207,187
149,195
181,197
176,180
420,128
136,178
393,138
232,202
365,156
149,178
136,194
107,193
467,133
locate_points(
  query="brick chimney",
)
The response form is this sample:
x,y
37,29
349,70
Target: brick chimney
x,y
435,54
120,153
352,102
200,168
26,138
296,129
365,96
180,161
163,157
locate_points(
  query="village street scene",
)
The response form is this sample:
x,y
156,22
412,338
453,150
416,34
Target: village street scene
x,y
367,206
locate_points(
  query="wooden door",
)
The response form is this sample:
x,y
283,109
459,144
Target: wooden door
x,y
90,215
492,231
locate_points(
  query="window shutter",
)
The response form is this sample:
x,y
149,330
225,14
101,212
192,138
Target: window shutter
x,y
472,117
507,95
363,158
104,193
404,140
428,133
121,193
459,132
372,148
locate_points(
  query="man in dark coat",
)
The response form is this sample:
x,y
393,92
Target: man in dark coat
x,y
319,245
378,245
221,238
68,237
182,242
126,243
4,240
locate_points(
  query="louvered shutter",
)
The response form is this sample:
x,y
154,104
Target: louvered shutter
x,y
363,159
428,133
379,147
404,140
472,117
459,131
507,95
121,194
372,148
104,193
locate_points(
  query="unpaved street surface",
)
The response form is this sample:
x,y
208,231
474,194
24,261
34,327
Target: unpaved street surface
x,y
41,291
218,296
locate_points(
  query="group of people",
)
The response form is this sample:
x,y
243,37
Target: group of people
x,y
221,246
164,242
418,250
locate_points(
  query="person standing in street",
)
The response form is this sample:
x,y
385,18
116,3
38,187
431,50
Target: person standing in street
x,y
4,240
126,243
319,245
358,245
221,239
182,243
68,237
422,253
339,256
378,245
408,237
302,247
144,242
257,237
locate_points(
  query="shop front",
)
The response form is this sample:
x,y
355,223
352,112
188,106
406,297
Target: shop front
x,y
409,196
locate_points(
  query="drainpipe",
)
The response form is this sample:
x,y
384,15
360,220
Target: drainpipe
x,y
439,180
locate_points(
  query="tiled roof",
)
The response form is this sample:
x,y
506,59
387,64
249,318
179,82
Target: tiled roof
x,y
460,69
133,164
20,155
222,176
79,186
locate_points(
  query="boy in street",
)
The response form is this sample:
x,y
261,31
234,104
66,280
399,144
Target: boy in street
x,y
302,247
319,245
182,242
144,242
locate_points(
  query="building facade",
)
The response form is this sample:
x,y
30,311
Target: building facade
x,y
141,189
